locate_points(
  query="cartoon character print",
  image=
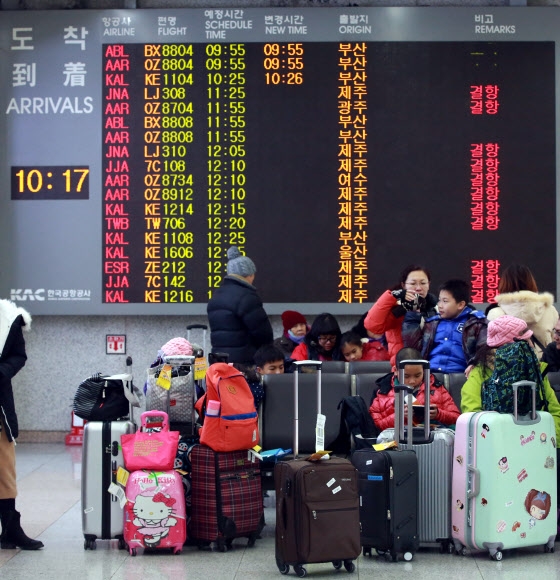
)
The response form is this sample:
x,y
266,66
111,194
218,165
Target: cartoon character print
x,y
543,437
528,439
537,504
459,459
549,462
459,505
503,465
553,440
483,502
485,429
153,516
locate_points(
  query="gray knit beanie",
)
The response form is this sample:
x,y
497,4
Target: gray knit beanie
x,y
239,264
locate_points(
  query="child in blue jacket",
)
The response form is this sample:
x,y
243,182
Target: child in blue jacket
x,y
449,339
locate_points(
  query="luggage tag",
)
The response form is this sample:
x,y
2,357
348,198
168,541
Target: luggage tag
x,y
319,456
320,433
164,378
385,445
122,476
200,368
118,492
253,454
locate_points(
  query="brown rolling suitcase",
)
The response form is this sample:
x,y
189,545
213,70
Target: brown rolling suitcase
x,y
317,506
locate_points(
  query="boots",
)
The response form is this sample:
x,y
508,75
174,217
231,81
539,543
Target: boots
x,y
13,536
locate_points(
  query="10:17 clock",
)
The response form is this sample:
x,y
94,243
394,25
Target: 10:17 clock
x,y
50,182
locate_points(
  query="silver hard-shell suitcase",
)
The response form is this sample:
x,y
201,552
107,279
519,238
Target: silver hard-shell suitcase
x,y
434,449
102,515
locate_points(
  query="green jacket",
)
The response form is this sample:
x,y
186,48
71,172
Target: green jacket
x,y
471,397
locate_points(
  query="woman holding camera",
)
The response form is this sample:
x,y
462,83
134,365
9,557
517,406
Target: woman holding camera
x,y
387,314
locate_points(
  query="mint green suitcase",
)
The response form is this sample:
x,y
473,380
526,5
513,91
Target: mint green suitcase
x,y
504,481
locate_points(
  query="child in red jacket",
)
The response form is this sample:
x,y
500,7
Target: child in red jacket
x,y
442,407
353,348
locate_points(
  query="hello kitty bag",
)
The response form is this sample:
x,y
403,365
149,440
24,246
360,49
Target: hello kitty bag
x,y
153,450
155,513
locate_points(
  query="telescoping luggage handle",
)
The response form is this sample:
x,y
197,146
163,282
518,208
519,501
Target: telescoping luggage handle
x,y
202,327
474,487
399,433
298,366
515,387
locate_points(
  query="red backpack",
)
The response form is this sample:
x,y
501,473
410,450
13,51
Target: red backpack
x,y
236,426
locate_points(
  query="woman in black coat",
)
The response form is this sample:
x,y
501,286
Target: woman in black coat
x,y
12,358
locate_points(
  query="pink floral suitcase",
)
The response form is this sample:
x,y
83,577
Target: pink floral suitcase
x,y
154,514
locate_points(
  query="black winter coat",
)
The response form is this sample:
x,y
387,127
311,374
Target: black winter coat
x,y
239,324
12,359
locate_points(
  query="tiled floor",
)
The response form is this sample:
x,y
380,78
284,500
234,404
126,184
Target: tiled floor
x,y
49,500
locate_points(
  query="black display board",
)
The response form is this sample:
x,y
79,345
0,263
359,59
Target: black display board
x,y
333,146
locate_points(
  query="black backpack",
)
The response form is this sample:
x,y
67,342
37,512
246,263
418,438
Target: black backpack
x,y
355,422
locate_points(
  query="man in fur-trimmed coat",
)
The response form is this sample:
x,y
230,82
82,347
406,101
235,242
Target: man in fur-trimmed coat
x,y
13,320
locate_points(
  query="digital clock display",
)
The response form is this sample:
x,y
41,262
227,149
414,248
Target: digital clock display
x,y
50,182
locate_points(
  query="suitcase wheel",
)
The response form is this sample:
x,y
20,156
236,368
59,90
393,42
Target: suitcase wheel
x,y
133,551
300,571
202,545
89,544
548,549
222,546
349,566
283,567
337,564
252,540
122,544
407,556
497,556
367,551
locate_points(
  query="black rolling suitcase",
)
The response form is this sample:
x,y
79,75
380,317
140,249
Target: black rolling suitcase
x,y
388,484
317,511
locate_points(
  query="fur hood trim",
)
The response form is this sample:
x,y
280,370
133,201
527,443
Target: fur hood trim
x,y
10,311
525,296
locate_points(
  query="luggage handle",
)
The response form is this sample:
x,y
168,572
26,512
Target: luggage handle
x,y
147,414
475,481
202,327
515,387
398,430
176,360
298,364
128,388
426,366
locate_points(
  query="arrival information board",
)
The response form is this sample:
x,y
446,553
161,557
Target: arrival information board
x,y
333,146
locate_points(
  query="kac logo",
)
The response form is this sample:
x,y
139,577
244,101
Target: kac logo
x,y
27,294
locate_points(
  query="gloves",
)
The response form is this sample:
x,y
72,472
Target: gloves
x,y
409,305
404,306
399,294
431,302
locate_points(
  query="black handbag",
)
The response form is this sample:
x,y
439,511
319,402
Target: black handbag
x,y
101,398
